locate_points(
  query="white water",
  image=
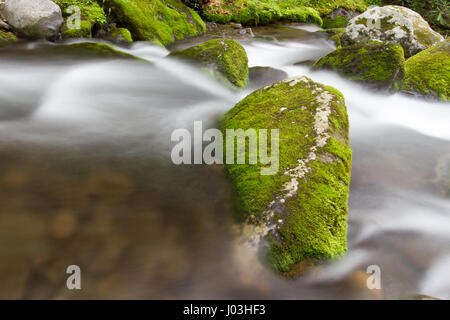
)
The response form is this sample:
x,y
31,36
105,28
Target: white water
x,y
398,217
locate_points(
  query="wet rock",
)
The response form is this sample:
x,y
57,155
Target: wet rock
x,y
394,24
33,19
261,76
4,26
85,50
225,57
115,34
300,209
382,65
428,72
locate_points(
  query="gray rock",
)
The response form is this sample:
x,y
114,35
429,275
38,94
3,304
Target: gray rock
x,y
33,19
393,24
4,25
262,76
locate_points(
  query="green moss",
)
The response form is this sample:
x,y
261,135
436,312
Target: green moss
x,y
315,218
121,34
263,12
250,12
327,6
225,56
90,10
7,37
338,22
378,63
428,72
83,32
161,20
337,40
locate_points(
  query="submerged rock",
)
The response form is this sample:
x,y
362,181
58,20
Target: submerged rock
x,y
301,210
428,72
85,50
162,21
394,24
261,76
225,57
33,19
376,63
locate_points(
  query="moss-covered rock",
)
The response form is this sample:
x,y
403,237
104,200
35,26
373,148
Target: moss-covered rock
x,y
114,34
428,72
339,18
121,35
253,13
158,20
7,37
262,12
302,209
337,40
226,57
84,31
394,24
377,63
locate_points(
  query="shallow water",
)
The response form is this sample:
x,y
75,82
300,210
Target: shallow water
x,y
86,179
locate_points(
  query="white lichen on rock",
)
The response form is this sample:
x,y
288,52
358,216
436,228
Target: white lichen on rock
x,y
254,233
394,24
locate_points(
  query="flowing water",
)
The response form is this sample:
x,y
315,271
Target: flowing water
x,y
86,179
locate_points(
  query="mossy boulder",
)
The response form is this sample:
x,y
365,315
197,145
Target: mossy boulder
x,y
394,24
7,37
114,34
428,72
84,31
121,35
339,18
254,13
301,210
225,57
163,21
380,64
263,12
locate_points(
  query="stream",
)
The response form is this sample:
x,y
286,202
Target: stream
x,y
86,178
